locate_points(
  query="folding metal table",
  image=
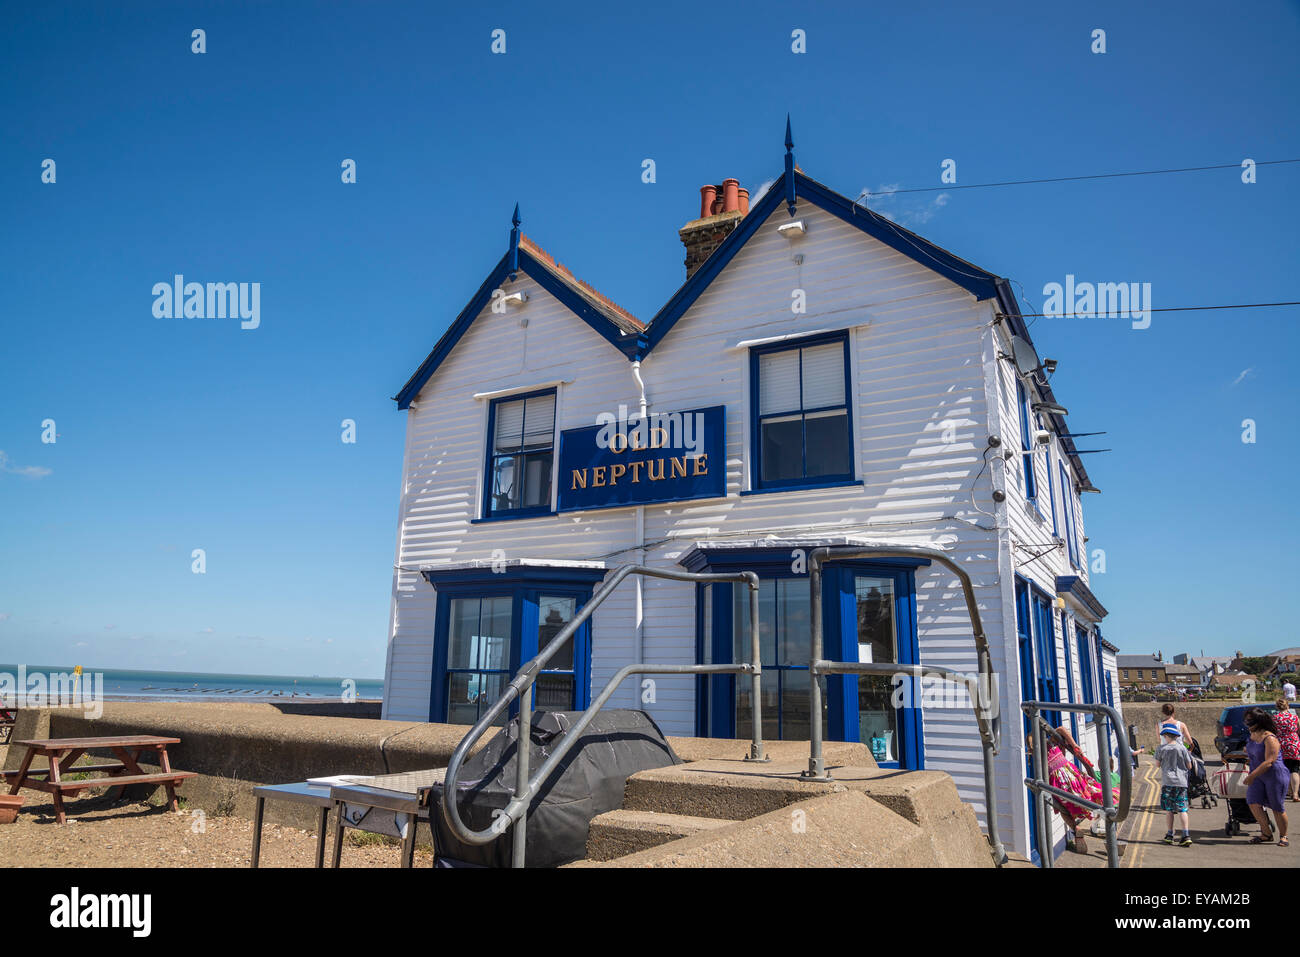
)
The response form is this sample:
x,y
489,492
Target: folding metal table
x,y
302,793
397,795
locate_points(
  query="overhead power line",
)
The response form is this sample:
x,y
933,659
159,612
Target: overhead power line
x,y
1070,179
1093,315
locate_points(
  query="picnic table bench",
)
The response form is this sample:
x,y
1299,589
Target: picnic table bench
x,y
63,754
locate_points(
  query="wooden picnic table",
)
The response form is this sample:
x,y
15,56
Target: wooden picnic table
x,y
63,753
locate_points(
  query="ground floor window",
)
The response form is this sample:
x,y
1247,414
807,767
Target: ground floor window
x,y
869,615
488,625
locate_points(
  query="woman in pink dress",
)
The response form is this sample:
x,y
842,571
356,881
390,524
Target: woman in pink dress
x,y
1288,736
1064,775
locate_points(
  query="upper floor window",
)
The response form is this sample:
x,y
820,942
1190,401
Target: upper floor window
x,y
802,433
1067,507
1026,446
521,448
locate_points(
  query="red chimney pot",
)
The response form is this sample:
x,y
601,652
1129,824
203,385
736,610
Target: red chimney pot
x,y
730,195
708,194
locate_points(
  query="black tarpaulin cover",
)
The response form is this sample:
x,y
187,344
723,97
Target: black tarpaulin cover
x,y
588,782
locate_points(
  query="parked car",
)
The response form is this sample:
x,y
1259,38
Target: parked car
x,y
1232,728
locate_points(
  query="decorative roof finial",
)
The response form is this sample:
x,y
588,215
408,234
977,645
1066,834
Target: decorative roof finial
x,y
789,167
514,243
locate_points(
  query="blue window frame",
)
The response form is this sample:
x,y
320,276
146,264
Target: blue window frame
x,y
488,625
1049,685
1026,447
869,613
1086,679
1051,491
1067,506
520,455
1037,638
1069,674
801,420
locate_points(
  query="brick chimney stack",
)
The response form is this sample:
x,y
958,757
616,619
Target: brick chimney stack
x,y
722,207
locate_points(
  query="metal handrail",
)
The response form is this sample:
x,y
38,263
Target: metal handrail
x,y
819,666
521,687
1038,784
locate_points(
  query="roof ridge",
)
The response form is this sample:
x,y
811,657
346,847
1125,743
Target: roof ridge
x,y
567,274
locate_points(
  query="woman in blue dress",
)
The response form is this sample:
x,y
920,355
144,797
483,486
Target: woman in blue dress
x,y
1267,781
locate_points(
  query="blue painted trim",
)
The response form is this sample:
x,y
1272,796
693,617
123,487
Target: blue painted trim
x,y
519,259
1069,674
770,562
1025,653
1074,585
512,575
755,418
804,486
532,511
1067,507
1086,674
979,282
1051,490
789,168
514,242
715,717
1030,480
525,591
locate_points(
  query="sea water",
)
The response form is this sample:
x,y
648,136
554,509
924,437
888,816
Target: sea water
x,y
186,686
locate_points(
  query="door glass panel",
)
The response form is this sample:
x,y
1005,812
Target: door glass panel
x,y
553,613
555,686
785,642
877,643
478,656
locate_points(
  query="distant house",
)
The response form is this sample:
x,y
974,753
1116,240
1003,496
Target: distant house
x,y
1141,671
1285,662
1229,679
1210,665
1183,675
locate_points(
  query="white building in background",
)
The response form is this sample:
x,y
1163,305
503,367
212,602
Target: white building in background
x,y
845,378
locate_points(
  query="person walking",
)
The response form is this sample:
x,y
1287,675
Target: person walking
x,y
1288,690
1267,781
1175,762
1185,735
1288,736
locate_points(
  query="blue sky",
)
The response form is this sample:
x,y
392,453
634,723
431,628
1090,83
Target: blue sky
x,y
225,166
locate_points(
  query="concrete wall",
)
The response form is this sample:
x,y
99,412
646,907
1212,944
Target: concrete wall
x,y
235,747
1201,718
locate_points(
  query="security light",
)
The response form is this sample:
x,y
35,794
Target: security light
x,y
794,230
1050,407
1049,366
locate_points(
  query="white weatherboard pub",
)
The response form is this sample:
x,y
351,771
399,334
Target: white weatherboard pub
x,y
823,376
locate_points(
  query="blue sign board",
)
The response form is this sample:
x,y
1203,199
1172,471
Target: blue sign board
x,y
670,457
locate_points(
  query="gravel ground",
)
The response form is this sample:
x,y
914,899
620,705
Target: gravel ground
x,y
101,833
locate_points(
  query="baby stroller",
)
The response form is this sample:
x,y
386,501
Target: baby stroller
x,y
1230,780
1198,782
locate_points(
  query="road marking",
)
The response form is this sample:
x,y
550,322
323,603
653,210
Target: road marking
x,y
1139,833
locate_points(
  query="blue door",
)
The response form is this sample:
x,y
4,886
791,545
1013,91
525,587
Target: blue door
x,y
1028,692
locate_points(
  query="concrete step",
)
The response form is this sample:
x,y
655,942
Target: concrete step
x,y
619,833
723,790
